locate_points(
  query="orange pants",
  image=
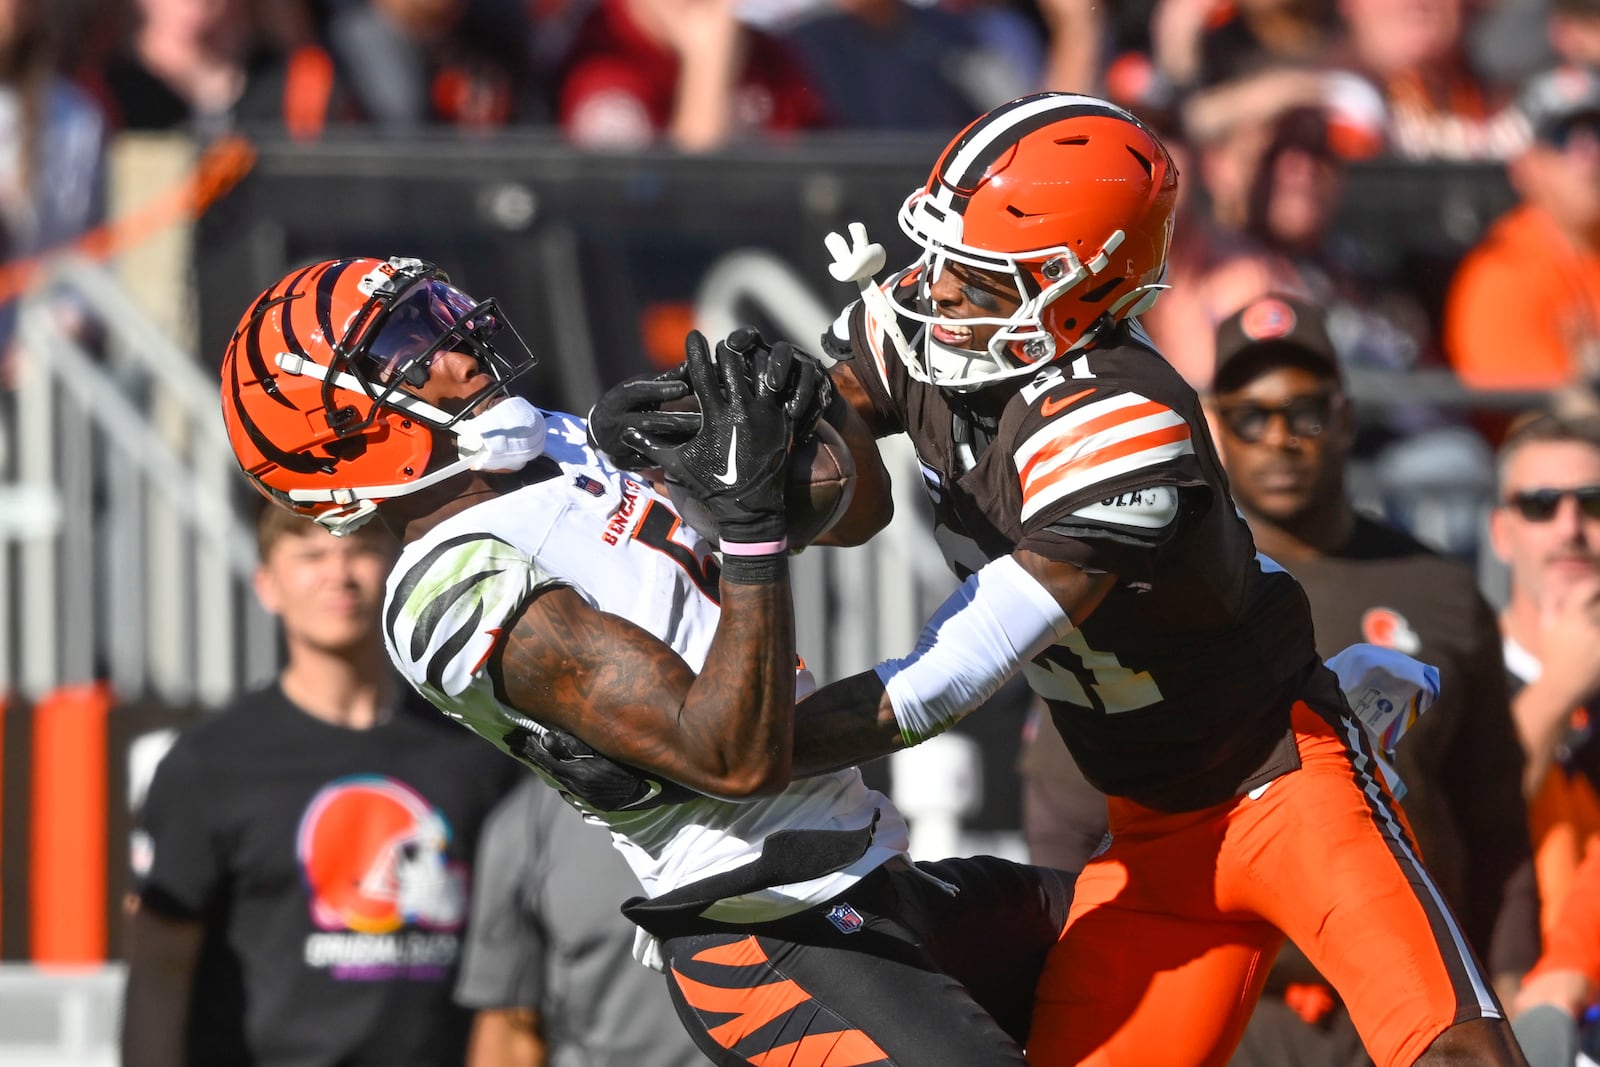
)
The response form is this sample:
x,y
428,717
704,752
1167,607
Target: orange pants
x,y
1173,927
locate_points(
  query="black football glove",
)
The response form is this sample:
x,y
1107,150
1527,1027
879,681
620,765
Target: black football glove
x,y
810,393
637,402
734,464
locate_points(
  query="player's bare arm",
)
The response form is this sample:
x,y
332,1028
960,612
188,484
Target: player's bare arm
x,y
865,716
725,733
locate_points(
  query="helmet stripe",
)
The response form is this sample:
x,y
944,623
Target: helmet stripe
x,y
992,136
299,462
258,322
325,286
414,578
291,292
257,359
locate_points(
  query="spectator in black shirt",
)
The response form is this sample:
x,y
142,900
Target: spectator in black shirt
x,y
306,852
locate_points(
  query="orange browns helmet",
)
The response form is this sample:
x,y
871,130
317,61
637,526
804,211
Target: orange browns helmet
x,y
314,383
1072,197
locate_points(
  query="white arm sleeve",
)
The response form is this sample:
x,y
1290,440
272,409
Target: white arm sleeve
x,y
1000,618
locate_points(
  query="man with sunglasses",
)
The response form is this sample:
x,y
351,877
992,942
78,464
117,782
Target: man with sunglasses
x,y
1546,530
1284,428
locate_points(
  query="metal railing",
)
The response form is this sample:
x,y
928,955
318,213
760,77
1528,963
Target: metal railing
x,y
127,558
58,1018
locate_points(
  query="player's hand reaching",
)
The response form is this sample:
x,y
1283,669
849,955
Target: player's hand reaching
x,y
637,403
810,394
734,461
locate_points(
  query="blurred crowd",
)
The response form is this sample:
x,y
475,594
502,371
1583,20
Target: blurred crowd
x,y
1266,104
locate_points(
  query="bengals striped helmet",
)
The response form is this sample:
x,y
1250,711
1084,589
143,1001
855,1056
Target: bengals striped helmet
x,y
1070,196
314,383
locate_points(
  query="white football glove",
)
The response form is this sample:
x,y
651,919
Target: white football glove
x,y
854,260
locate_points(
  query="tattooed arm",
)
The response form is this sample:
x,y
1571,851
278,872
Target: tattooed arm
x,y
726,732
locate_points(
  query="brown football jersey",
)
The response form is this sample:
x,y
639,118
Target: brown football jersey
x,y
1176,691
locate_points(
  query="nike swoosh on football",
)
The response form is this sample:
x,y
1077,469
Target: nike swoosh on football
x,y
731,475
1050,408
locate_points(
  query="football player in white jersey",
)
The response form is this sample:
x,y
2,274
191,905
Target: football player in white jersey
x,y
555,604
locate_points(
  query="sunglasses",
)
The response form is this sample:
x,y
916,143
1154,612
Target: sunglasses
x,y
1306,416
1582,132
1540,505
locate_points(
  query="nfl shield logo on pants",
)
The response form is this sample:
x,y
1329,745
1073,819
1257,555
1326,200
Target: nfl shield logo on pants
x,y
846,918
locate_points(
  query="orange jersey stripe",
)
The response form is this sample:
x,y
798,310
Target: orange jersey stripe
x,y
736,954
846,1048
1165,436
1092,426
751,1008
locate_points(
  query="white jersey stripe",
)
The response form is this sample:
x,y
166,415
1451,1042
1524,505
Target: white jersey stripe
x,y
1055,445
957,165
981,143
1048,493
1064,427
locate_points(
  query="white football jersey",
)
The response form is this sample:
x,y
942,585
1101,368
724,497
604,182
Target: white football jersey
x,y
608,536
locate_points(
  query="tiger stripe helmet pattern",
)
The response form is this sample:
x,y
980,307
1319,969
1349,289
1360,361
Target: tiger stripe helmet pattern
x,y
314,383
1069,195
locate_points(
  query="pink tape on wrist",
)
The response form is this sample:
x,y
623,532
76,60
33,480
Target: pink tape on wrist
x,y
755,548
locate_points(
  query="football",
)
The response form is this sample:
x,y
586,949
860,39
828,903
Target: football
x,y
822,478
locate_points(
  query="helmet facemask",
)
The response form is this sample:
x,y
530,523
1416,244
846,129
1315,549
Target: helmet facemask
x,y
1025,339
410,315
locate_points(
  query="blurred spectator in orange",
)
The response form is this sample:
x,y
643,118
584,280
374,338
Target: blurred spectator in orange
x,y
420,62
1567,976
1523,310
1546,529
1414,52
896,65
684,71
205,67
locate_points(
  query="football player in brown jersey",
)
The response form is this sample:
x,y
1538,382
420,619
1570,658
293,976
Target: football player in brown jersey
x,y
1078,497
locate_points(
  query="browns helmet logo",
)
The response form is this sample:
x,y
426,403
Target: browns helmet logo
x,y
1389,628
1267,320
374,856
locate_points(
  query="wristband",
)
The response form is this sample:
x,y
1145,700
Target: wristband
x,y
754,548
755,570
